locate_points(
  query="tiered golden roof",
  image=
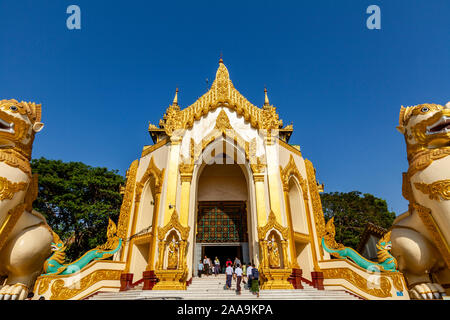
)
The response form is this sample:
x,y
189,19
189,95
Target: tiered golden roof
x,y
221,93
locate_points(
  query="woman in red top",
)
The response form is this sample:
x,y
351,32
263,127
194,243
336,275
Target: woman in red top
x,y
228,263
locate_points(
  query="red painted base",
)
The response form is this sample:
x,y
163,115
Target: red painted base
x,y
149,280
296,278
317,280
126,281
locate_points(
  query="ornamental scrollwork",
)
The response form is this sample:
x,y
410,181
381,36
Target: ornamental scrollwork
x,y
439,190
125,209
383,289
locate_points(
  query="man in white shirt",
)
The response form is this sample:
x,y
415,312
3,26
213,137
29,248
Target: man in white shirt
x,y
229,273
238,272
249,275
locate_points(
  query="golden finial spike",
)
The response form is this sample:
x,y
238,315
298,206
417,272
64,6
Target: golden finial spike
x,y
175,99
266,98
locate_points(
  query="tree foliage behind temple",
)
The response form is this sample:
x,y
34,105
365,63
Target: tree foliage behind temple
x,y
77,200
352,211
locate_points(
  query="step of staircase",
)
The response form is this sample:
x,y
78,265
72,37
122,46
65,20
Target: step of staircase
x,y
213,288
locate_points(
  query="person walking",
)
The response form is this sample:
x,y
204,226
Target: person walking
x,y
228,263
229,274
200,268
236,261
238,272
255,281
249,275
216,266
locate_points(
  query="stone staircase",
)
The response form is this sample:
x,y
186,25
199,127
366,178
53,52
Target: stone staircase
x,y
213,288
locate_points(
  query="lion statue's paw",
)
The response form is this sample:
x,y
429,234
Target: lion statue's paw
x,y
16,291
427,291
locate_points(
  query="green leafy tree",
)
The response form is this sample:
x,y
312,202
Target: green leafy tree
x,y
352,211
77,200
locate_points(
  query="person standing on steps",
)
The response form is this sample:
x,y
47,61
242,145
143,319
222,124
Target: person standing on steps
x,y
249,275
206,266
229,273
255,280
238,272
228,263
200,268
216,266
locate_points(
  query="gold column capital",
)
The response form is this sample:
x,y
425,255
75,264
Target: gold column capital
x,y
258,178
186,177
175,140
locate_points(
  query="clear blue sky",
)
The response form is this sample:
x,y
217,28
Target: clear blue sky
x,y
340,83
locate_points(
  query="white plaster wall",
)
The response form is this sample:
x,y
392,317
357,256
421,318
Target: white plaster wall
x,y
222,183
299,222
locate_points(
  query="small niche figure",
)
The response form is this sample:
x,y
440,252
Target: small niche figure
x,y
172,255
274,255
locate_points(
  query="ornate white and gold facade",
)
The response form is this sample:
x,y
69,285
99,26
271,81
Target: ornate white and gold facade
x,y
221,179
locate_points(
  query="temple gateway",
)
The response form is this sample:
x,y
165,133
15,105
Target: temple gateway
x,y
221,179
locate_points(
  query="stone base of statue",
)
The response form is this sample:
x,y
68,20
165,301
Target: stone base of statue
x,y
170,280
276,279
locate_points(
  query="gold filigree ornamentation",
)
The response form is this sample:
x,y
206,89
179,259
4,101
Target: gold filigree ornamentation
x,y
437,237
384,290
221,93
425,158
222,122
155,175
16,160
127,202
315,199
397,280
8,224
8,189
223,128
439,190
43,284
61,292
272,223
329,237
291,170
174,223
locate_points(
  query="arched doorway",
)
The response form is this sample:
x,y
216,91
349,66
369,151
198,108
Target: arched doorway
x,y
222,220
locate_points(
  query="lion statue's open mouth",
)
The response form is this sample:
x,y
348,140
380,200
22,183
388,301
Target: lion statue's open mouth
x,y
442,126
6,127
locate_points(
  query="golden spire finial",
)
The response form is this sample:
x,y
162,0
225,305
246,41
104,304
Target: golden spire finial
x,y
175,99
221,57
266,98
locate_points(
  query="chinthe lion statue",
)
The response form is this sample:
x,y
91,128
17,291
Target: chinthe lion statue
x,y
420,237
25,237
